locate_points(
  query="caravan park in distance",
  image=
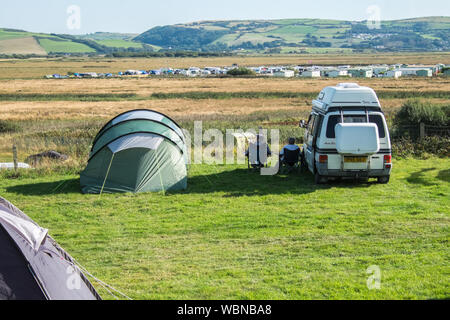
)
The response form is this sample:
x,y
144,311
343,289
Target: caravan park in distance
x,y
232,234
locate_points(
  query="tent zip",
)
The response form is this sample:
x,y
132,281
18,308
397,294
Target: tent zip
x,y
107,173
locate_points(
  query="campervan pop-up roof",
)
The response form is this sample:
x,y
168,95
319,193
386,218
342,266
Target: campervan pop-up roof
x,y
346,95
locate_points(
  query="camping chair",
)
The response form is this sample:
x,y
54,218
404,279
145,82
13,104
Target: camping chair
x,y
291,159
256,157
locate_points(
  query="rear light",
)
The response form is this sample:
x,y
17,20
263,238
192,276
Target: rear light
x,y
323,158
388,161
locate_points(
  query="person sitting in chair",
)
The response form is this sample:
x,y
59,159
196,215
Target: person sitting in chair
x,y
257,152
290,154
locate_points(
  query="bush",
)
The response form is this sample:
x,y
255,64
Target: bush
x,y
416,111
422,148
8,127
241,71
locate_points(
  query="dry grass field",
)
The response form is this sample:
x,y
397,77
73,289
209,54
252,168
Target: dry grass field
x,y
21,46
177,108
147,85
25,110
143,88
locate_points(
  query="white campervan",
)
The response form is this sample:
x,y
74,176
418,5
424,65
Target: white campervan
x,y
347,136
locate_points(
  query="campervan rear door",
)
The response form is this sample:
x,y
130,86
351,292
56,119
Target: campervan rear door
x,y
310,139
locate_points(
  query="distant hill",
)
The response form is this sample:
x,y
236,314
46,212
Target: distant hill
x,y
254,36
108,36
300,35
13,41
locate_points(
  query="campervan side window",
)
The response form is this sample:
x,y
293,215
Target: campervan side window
x,y
312,123
334,120
378,120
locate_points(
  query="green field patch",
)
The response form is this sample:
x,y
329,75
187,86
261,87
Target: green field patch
x,y
228,38
4,35
332,31
118,43
289,21
16,34
64,46
301,30
254,38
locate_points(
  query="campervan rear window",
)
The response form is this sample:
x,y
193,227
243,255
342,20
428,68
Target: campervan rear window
x,y
334,120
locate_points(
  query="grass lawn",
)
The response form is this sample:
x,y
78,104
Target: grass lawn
x,y
238,235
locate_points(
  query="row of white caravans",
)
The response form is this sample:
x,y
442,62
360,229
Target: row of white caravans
x,y
347,135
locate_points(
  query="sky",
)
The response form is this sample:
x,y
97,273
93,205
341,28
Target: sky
x,y
137,16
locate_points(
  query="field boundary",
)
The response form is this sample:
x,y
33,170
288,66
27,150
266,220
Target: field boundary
x,y
202,95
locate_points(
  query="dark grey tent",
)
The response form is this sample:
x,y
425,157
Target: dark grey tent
x,y
137,151
33,266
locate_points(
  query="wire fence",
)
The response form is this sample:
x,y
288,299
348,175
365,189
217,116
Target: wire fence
x,y
437,131
420,131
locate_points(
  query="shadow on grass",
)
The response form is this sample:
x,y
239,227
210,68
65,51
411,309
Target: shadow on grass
x,y
234,183
444,175
46,188
244,182
419,177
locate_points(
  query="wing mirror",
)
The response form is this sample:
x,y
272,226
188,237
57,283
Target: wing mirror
x,y
302,124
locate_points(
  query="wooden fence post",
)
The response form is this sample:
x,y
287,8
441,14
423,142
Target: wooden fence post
x,y
16,164
422,130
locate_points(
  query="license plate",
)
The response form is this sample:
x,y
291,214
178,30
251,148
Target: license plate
x,y
355,159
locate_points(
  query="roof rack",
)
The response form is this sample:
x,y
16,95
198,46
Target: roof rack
x,y
346,95
348,85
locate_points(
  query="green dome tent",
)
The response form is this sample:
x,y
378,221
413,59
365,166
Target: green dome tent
x,y
137,151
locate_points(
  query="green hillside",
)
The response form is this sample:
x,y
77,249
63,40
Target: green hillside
x,y
13,41
254,36
108,36
420,34
6,34
113,40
